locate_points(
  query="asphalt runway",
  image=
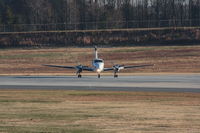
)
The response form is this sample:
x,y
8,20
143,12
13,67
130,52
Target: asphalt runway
x,y
148,83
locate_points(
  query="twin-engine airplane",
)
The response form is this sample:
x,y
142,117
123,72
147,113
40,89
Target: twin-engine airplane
x,y
98,67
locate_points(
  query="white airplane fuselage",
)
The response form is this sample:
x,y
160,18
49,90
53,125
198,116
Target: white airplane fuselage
x,y
97,63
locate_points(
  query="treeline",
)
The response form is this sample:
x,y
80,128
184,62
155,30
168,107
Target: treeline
x,y
100,13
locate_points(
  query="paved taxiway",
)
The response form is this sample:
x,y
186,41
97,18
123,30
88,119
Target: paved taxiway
x,y
161,83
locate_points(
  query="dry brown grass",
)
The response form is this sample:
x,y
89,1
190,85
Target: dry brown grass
x,y
167,59
98,111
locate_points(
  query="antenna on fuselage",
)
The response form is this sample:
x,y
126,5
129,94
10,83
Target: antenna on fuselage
x,y
96,52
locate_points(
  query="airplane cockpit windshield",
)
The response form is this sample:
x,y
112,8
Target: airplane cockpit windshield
x,y
98,61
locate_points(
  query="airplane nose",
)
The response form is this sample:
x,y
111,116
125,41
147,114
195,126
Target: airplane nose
x,y
98,70
99,67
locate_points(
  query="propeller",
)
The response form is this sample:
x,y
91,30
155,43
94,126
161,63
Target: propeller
x,y
118,67
79,68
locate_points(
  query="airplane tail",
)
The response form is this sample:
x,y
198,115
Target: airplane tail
x,y
96,52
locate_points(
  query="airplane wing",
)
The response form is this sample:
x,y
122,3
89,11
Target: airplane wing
x,y
88,69
125,67
71,67
68,67
108,69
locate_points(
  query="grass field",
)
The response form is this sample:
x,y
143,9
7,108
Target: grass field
x,y
60,111
166,59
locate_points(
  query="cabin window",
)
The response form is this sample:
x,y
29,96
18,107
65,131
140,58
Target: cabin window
x,y
98,61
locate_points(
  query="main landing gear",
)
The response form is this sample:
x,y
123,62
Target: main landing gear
x,y
79,73
79,76
115,75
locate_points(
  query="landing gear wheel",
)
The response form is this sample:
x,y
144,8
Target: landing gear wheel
x,y
79,76
99,76
115,76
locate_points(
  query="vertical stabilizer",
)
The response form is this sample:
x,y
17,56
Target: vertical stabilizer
x,y
96,52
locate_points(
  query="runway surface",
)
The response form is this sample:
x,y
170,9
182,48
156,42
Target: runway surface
x,y
151,83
